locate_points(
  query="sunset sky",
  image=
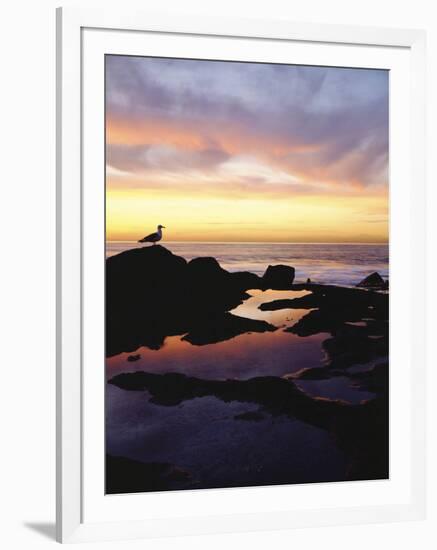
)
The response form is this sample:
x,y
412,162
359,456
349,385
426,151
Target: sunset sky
x,y
225,151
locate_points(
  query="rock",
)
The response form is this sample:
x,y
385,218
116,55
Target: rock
x,y
332,307
309,301
124,475
375,380
276,395
374,280
348,348
132,358
360,431
313,373
244,280
223,327
206,268
334,310
152,293
278,277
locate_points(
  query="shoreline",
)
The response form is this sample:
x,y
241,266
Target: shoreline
x,y
163,377
326,263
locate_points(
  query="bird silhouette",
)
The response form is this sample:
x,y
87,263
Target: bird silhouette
x,y
153,237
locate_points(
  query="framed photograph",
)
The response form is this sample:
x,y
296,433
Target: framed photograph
x,y
240,275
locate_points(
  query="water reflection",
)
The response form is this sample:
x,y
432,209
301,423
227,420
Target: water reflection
x,y
245,356
220,443
203,437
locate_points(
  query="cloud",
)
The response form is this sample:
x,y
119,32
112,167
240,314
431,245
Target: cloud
x,y
316,126
140,159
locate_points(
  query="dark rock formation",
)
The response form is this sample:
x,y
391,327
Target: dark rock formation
x,y
152,293
278,277
276,395
375,281
350,344
314,373
334,310
223,327
361,431
331,297
244,280
375,380
124,475
335,306
353,345
310,301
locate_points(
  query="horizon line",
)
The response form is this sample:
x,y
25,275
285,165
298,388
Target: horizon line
x,y
258,242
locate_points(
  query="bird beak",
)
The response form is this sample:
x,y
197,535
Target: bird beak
x,y
163,227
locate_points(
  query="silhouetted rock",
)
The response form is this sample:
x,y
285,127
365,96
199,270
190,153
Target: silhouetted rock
x,y
374,280
244,280
313,373
333,307
349,301
223,327
361,431
309,301
278,277
334,310
124,475
152,293
277,395
206,268
352,347
374,380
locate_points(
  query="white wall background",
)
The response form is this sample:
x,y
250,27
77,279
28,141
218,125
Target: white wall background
x,y
27,198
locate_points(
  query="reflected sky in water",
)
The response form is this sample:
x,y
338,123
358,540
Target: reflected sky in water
x,y
203,435
245,356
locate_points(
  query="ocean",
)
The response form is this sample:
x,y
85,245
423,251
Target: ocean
x,y
340,263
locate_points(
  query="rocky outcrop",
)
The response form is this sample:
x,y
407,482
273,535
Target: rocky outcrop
x,y
374,281
277,395
356,319
152,293
278,277
124,475
223,327
361,431
375,380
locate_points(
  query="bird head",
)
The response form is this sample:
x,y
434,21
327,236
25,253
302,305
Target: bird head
x,y
161,226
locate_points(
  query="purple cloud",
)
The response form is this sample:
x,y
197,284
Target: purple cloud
x,y
326,119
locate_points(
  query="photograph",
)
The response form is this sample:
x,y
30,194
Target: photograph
x,y
246,274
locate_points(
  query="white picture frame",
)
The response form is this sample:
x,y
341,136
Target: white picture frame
x,y
81,513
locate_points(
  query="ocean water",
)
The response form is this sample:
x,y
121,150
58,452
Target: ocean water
x,y
342,264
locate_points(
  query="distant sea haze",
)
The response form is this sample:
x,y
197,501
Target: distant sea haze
x,y
342,264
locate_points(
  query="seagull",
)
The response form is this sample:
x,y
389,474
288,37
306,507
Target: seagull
x,y
153,237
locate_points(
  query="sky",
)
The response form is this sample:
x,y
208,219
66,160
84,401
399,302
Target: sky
x,y
229,151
